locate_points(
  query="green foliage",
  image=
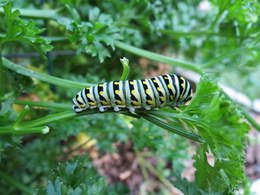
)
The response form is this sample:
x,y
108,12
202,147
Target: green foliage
x,y
221,125
223,130
91,36
221,37
18,30
76,177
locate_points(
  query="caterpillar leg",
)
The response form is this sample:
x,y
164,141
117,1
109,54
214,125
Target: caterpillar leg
x,y
147,108
77,109
102,109
131,109
116,109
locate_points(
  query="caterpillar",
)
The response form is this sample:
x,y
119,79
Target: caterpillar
x,y
168,90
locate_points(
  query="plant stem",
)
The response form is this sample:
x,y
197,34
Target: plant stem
x,y
21,116
35,13
2,75
199,33
16,183
48,119
126,68
44,77
250,119
224,56
141,163
156,173
158,57
44,104
23,131
171,128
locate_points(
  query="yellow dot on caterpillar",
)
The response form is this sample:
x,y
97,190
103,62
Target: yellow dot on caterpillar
x,y
101,93
155,81
92,103
133,92
144,82
118,102
116,83
100,85
104,103
170,86
136,103
148,91
158,88
163,99
89,95
150,102
165,77
132,82
117,92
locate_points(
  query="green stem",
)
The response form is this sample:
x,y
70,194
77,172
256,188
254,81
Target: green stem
x,y
42,129
44,104
48,119
44,77
2,74
141,164
224,56
171,128
221,10
250,119
158,57
16,183
35,13
21,116
23,131
126,68
200,33
157,174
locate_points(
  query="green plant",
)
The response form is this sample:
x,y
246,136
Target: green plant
x,y
104,30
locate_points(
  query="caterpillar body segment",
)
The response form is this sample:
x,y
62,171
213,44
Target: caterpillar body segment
x,y
162,91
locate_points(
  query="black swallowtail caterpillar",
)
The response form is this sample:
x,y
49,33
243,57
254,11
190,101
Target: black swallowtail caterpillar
x,y
166,90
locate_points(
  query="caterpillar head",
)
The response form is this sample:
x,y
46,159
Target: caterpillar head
x,y
79,104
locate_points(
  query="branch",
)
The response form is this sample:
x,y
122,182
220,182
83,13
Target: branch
x,y
44,77
158,57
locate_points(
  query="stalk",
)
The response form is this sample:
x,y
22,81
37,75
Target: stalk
x,y
36,13
126,68
44,77
16,183
172,128
44,104
159,57
2,72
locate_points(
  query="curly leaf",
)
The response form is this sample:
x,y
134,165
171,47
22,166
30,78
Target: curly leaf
x,y
93,36
18,30
224,129
76,177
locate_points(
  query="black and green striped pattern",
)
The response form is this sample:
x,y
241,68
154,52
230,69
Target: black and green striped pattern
x,y
166,90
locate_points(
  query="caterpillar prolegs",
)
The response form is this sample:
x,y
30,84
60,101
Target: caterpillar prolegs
x,y
167,90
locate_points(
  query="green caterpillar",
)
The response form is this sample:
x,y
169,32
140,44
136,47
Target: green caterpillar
x,y
166,90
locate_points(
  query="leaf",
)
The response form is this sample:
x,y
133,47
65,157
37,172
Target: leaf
x,y
224,129
93,36
217,121
76,177
18,30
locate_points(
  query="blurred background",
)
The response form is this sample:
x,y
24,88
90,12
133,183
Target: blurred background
x,y
134,156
